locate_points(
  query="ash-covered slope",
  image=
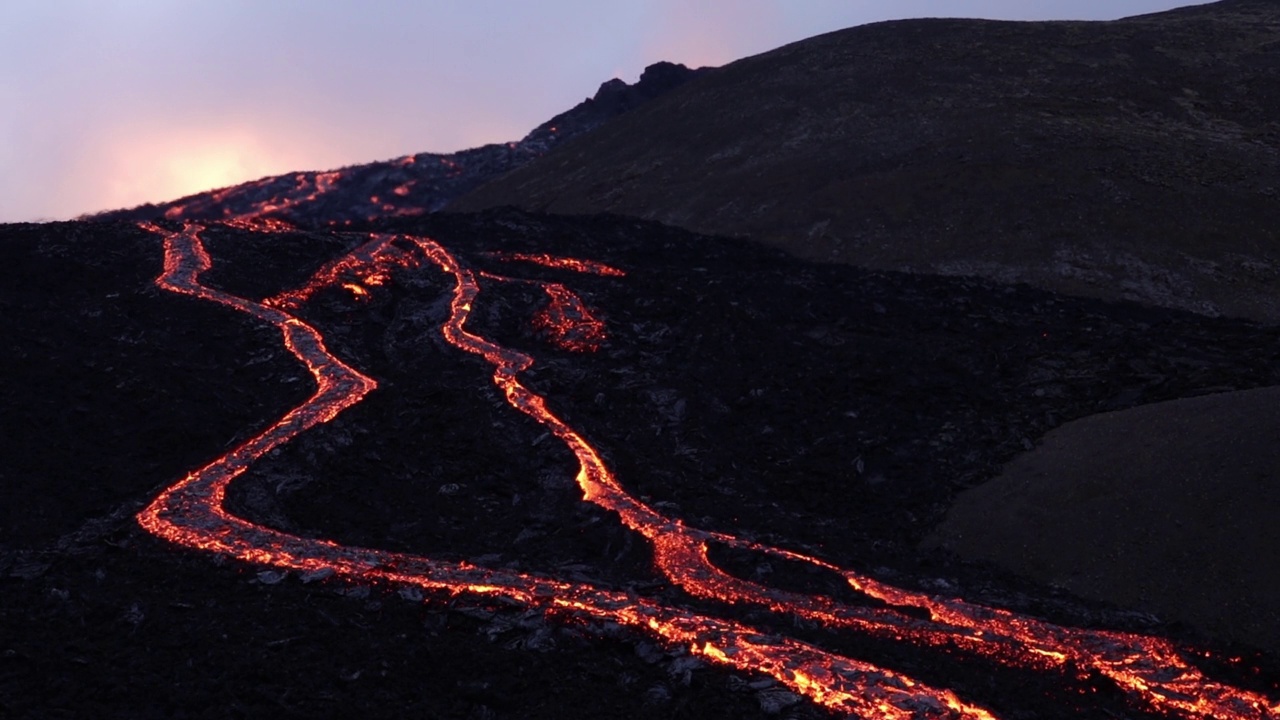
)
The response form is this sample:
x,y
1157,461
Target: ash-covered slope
x,y
410,185
821,408
1128,159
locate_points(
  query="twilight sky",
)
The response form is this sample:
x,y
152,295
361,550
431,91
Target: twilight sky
x,y
112,103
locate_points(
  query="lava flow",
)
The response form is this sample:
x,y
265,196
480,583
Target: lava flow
x,y
191,513
563,263
308,187
1150,670
565,320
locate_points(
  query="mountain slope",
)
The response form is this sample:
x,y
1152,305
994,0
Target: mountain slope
x,y
410,185
822,409
1128,159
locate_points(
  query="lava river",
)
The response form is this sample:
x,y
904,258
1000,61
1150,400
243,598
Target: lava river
x,y
1152,671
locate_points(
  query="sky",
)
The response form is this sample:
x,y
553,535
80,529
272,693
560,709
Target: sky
x,y
113,103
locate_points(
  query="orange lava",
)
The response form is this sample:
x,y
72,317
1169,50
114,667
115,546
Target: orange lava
x,y
568,322
1152,671
308,186
191,513
370,265
565,320
563,263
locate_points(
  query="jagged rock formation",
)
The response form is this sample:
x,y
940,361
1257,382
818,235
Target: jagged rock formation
x,y
1128,159
413,184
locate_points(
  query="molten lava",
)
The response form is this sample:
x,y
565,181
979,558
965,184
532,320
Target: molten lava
x,y
308,186
370,265
566,321
1152,671
562,263
261,225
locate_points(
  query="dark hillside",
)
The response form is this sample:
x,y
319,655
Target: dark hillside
x,y
823,409
305,447
1130,159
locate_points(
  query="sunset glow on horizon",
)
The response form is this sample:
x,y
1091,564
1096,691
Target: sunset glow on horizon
x,y
108,107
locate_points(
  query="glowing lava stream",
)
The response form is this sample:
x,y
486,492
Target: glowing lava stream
x,y
567,321
564,263
1148,668
191,513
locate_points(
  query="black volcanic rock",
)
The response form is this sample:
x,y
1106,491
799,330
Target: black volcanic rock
x,y
1130,159
410,185
824,408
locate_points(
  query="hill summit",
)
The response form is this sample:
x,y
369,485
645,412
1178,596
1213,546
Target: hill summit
x,y
1131,159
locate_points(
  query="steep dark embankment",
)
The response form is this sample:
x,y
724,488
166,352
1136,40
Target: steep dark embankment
x,y
1128,159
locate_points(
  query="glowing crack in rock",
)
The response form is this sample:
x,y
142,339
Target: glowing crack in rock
x,y
1151,671
565,321
563,263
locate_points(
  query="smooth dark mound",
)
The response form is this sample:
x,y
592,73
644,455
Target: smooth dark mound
x,y
826,408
